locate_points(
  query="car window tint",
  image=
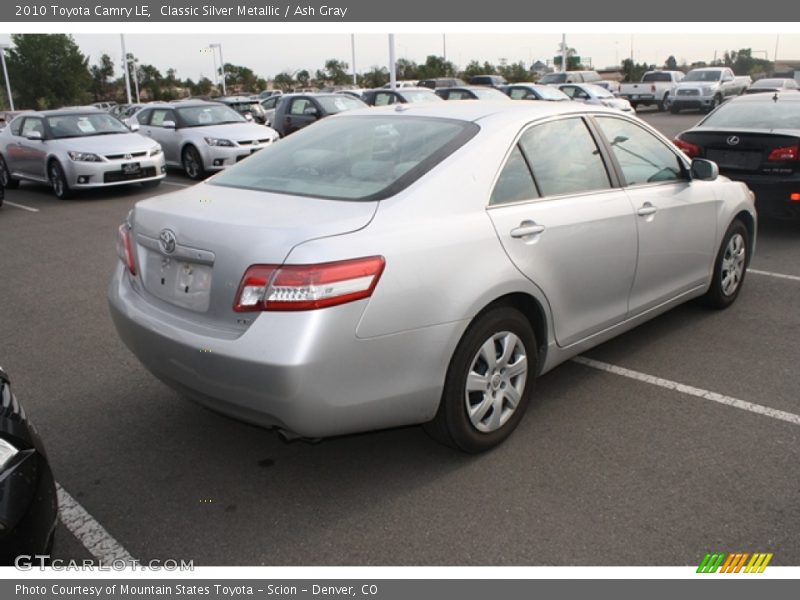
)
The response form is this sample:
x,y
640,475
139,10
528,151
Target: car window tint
x,y
564,158
519,93
382,99
351,158
515,181
32,126
16,125
299,106
160,115
642,157
569,90
143,116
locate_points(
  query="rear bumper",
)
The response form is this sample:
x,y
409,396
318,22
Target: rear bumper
x,y
773,197
304,372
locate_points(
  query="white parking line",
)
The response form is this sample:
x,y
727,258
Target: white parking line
x,y
175,183
89,532
771,274
22,206
690,390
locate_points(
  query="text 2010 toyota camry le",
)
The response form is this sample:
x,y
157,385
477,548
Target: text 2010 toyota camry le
x,y
421,264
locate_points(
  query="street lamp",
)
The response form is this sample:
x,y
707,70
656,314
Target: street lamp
x,y
3,48
222,63
133,61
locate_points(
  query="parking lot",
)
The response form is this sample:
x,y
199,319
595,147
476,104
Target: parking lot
x,y
676,439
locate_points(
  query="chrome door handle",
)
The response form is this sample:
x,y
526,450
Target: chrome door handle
x,y
526,228
647,209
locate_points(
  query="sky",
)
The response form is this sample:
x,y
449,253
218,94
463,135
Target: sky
x,y
271,53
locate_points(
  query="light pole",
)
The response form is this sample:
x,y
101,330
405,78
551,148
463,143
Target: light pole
x,y
125,67
222,64
353,48
392,64
216,72
133,61
3,48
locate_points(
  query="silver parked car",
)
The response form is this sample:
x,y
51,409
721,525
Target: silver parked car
x,y
77,149
422,264
589,93
201,136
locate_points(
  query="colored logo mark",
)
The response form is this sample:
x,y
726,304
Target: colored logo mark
x,y
735,562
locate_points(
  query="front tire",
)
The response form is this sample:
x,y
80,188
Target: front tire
x,y
58,181
730,267
488,383
193,163
6,180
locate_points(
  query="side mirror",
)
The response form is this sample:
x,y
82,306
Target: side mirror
x,y
704,170
248,116
168,124
35,135
311,111
133,126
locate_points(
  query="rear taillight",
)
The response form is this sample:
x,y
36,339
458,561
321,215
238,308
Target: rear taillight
x,y
124,248
691,150
308,287
785,153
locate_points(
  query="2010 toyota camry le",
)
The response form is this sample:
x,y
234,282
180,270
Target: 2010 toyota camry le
x,y
422,264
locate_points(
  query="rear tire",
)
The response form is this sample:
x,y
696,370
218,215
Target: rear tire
x,y
58,181
193,163
488,383
730,267
6,180
664,104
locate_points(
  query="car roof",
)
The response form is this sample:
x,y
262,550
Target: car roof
x,y
787,96
487,110
182,104
70,110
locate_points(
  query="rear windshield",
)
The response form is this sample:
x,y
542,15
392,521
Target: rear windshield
x,y
554,78
649,77
351,158
489,94
756,115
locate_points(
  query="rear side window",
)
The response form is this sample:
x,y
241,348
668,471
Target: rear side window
x,y
515,182
564,158
652,77
351,158
16,125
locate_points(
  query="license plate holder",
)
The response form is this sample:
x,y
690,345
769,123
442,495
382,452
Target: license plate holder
x,y
178,282
131,168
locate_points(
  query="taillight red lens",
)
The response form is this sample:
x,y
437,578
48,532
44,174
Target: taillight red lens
x,y
125,248
308,287
785,153
691,150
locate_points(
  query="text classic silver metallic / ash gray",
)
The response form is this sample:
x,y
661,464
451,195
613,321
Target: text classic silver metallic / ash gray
x,y
422,264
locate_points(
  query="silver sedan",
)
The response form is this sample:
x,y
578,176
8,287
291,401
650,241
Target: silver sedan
x,y
596,95
201,136
422,264
76,149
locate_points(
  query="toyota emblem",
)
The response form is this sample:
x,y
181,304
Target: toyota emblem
x,y
167,240
733,140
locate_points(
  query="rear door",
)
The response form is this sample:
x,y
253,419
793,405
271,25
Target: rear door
x,y
566,226
676,217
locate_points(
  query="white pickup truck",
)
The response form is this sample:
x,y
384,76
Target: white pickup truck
x,y
706,89
654,88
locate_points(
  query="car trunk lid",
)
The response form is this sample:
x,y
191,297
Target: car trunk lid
x,y
742,151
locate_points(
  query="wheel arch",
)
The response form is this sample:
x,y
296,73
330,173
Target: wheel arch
x,y
747,219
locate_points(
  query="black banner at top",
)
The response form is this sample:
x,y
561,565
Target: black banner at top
x,y
334,11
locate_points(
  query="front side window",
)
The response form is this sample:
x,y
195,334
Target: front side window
x,y
299,106
642,157
384,98
32,126
564,158
160,115
351,158
341,103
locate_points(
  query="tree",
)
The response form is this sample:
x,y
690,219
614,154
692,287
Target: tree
x,y
515,72
573,60
54,71
335,72
634,71
671,64
100,75
240,78
374,78
150,81
284,81
303,78
406,69
436,66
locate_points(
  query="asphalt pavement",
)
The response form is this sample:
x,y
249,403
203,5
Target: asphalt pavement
x,y
611,466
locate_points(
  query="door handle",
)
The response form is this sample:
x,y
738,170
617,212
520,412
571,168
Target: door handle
x,y
646,210
527,228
